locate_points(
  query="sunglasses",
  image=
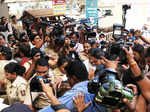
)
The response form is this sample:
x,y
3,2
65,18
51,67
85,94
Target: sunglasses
x,y
39,72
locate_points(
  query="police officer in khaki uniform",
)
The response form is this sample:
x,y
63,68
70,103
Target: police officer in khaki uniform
x,y
5,58
16,91
15,83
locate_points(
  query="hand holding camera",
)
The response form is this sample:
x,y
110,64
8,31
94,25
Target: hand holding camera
x,y
47,88
131,105
129,54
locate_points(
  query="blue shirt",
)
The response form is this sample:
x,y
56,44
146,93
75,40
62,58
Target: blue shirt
x,y
67,99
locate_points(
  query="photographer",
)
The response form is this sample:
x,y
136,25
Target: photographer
x,y
37,42
78,47
30,64
139,76
77,77
130,104
35,96
138,52
79,103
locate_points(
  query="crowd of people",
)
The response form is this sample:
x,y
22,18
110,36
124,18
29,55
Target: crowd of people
x,y
47,68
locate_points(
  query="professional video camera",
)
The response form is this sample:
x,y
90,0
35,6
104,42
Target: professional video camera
x,y
69,19
117,31
35,85
126,7
116,49
89,31
57,29
28,22
109,91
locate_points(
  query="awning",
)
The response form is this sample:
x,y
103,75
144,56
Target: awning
x,y
40,13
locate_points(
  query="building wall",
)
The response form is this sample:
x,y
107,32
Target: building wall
x,y
4,10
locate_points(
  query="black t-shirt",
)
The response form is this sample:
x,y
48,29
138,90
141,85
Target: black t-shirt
x,y
3,27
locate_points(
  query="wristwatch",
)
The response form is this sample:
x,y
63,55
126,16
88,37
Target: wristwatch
x,y
59,106
139,78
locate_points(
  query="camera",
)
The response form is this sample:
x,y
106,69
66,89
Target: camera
x,y
72,43
57,29
117,31
35,85
109,91
126,7
116,49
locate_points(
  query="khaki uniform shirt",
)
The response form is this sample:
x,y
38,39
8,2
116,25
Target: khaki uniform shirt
x,y
58,74
16,91
51,52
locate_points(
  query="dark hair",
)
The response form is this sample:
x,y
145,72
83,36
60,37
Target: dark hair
x,y
25,49
2,36
62,52
10,35
98,54
34,51
22,34
42,62
12,17
139,48
33,36
102,34
126,30
6,51
132,31
87,41
76,34
61,61
77,68
93,42
59,41
147,54
13,67
91,51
